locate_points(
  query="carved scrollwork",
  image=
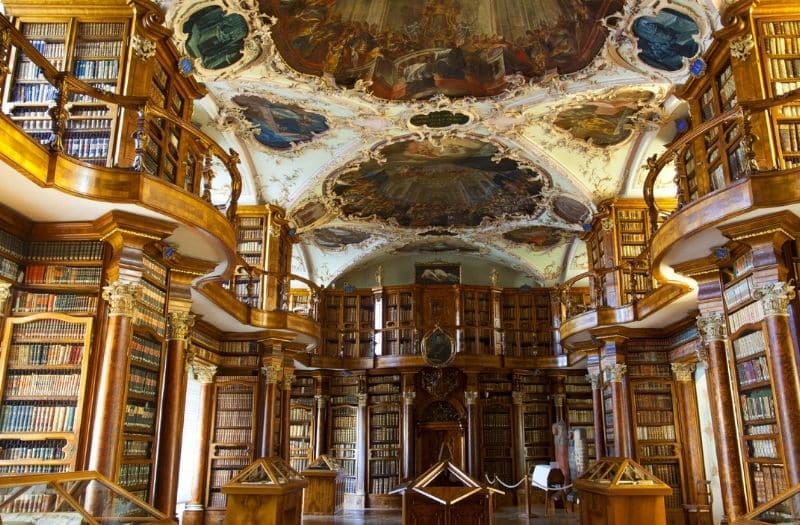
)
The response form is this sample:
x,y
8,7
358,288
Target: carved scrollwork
x,y
143,47
711,326
180,325
775,298
203,372
742,47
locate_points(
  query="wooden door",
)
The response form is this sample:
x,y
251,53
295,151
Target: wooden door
x,y
440,440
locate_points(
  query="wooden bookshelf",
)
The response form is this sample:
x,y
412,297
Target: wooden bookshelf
x,y
527,322
608,416
580,411
477,321
537,418
301,423
497,452
232,434
349,318
398,328
384,447
343,425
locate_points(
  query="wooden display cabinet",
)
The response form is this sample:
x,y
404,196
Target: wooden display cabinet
x,y
324,494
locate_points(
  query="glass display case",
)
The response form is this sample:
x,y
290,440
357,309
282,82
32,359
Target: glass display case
x,y
783,510
71,498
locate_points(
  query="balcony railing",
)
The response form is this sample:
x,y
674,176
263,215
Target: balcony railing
x,y
56,130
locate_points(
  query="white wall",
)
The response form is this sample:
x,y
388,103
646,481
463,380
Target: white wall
x,y
707,437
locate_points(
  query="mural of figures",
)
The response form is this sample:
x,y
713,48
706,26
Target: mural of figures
x,y
308,213
419,48
422,185
338,238
603,122
438,246
280,125
539,237
214,38
571,210
666,39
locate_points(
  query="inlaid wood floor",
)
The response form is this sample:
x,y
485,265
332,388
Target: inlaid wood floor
x,y
504,516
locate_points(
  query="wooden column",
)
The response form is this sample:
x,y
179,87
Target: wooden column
x,y
689,430
623,440
194,512
170,430
775,299
321,423
471,398
518,434
286,400
271,371
712,328
597,413
561,435
5,293
361,450
109,410
409,437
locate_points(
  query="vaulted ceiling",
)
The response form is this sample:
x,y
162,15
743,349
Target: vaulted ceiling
x,y
442,129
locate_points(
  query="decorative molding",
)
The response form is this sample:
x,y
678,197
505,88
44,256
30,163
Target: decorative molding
x,y
362,400
143,47
288,379
203,372
616,373
408,398
272,373
122,297
684,372
559,399
594,379
5,293
517,397
179,326
471,397
775,298
742,47
711,326
322,400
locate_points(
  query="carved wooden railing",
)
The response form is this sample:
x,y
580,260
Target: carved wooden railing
x,y
65,84
742,114
294,294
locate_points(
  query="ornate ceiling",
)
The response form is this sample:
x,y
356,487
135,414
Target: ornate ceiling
x,y
441,129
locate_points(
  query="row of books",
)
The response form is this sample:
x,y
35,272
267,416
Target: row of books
x,y
500,468
45,354
32,502
37,418
217,500
537,420
739,293
662,433
242,401
647,357
496,436
57,385
743,264
652,451
668,473
101,29
232,435
344,435
762,448
655,401
789,133
300,414
384,434
98,48
132,474
662,370
50,49
152,296
65,250
300,431
12,245
783,45
143,382
33,93
30,302
33,469
760,430
27,70
86,124
47,449
383,468
146,317
136,448
652,386
242,419
145,351
154,270
753,371
239,347
537,436
768,481
250,235
140,417
240,361
783,27
220,477
88,145
250,222
758,405
50,30
786,68
654,417
8,268
248,247
577,417
48,329
382,485
57,274
101,69
752,313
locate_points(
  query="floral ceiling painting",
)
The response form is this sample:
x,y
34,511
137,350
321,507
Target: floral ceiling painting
x,y
459,182
604,122
419,48
280,126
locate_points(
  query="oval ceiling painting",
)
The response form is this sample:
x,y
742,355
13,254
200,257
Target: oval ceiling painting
x,y
539,237
337,238
280,125
424,185
445,244
215,38
604,122
571,210
419,48
666,39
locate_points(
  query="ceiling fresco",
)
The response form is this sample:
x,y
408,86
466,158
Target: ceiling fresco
x,y
604,122
666,39
456,183
338,238
539,237
419,48
277,125
442,244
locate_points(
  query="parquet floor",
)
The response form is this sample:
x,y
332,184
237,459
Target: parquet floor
x,y
504,516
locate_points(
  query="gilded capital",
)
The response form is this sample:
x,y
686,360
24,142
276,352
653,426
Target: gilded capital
x,y
711,326
5,293
272,373
408,397
616,373
517,397
559,399
203,372
288,379
471,397
122,297
322,401
594,378
179,326
775,298
684,372
362,399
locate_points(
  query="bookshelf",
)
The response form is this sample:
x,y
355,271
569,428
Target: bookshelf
x,y
580,411
537,419
398,333
751,369
93,52
384,434
301,423
44,370
138,448
477,321
496,430
344,420
232,434
656,431
633,234
608,416
239,354
349,318
779,41
526,321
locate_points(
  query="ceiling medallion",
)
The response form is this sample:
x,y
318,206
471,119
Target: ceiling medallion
x,y
438,119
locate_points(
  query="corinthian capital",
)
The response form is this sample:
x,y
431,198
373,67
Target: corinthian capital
x,y
272,373
683,371
615,373
180,325
775,297
711,326
122,297
203,372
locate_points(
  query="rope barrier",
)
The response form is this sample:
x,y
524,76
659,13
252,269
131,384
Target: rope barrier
x,y
504,484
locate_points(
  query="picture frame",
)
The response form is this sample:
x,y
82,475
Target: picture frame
x,y
438,348
437,273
